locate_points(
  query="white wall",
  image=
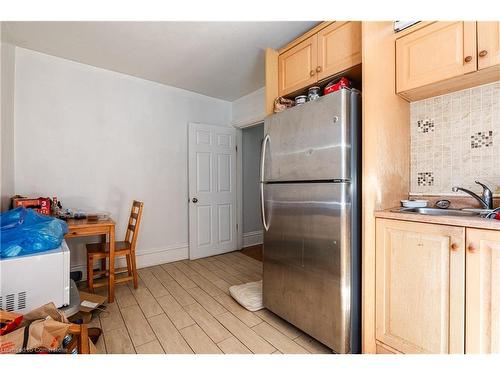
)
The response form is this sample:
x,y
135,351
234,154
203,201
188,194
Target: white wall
x,y
99,139
249,109
252,224
7,67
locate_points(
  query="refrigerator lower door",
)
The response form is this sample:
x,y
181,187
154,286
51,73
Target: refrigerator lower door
x,y
306,278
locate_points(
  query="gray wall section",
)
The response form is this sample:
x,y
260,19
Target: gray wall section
x,y
252,138
7,69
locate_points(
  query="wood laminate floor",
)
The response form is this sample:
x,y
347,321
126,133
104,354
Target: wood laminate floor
x,y
253,252
185,307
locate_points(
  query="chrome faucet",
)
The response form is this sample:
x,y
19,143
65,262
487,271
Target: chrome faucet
x,y
487,199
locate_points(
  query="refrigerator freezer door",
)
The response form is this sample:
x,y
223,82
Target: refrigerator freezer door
x,y
310,142
306,278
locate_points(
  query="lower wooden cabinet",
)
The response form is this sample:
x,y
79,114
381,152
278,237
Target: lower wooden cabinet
x,y
482,292
420,286
437,288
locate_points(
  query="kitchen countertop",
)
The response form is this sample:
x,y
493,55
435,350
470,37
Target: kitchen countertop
x,y
470,222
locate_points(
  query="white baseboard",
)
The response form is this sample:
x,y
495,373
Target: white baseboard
x,y
147,258
253,238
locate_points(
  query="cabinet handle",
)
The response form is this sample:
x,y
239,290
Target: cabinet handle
x,y
312,73
483,53
471,248
318,69
454,247
468,59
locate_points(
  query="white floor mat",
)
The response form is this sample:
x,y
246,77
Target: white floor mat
x,y
248,295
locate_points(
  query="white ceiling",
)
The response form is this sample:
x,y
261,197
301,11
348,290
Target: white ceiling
x,y
221,59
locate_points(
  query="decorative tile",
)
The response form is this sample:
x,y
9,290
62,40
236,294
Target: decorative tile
x,y
455,140
481,139
425,126
425,178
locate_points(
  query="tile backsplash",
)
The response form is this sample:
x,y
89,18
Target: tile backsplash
x,y
455,140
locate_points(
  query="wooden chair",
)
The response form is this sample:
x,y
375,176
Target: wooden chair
x,y
80,339
100,251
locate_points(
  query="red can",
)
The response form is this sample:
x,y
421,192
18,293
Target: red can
x,y
332,87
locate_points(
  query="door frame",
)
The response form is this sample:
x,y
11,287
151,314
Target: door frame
x,y
257,120
239,180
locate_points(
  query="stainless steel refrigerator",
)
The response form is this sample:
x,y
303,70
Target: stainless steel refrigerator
x,y
310,198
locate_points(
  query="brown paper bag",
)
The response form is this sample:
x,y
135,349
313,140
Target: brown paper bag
x,y
43,329
92,348
43,312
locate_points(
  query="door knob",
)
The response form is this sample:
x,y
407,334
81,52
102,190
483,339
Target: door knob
x,y
483,53
468,59
318,69
195,200
312,73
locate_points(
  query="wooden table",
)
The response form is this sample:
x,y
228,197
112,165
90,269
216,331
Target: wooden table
x,y
84,227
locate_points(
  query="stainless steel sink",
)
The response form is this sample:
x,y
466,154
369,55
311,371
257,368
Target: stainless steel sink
x,y
439,212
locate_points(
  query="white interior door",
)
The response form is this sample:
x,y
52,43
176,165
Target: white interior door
x,y
212,190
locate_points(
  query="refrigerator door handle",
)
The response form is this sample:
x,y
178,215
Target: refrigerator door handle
x,y
262,161
263,150
262,207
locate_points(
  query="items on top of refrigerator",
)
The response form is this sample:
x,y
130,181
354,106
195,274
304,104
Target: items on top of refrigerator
x,y
313,93
335,86
301,99
281,103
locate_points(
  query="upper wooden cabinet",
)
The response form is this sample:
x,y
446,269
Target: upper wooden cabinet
x,y
436,58
322,52
297,66
488,44
420,286
339,48
434,53
483,292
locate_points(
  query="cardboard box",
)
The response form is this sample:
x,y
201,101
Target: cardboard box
x,y
92,298
40,205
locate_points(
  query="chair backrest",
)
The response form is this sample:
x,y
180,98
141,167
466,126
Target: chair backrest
x,y
133,223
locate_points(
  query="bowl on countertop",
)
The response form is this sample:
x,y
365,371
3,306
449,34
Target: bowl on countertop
x,y
414,203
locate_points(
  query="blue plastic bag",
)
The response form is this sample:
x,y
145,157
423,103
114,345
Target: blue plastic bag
x,y
24,231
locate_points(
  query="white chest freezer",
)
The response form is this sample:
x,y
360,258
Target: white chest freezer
x,y
30,281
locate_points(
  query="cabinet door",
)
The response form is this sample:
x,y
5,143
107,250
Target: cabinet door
x,y
434,53
339,48
420,286
483,292
488,44
297,66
